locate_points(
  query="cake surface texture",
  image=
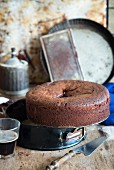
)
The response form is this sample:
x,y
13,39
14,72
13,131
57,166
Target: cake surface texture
x,y
68,103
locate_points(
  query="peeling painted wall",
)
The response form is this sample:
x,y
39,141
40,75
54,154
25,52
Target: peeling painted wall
x,y
23,22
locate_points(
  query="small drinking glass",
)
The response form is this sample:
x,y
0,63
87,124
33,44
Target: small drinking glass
x,y
9,133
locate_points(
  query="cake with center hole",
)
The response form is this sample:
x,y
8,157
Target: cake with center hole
x,y
68,103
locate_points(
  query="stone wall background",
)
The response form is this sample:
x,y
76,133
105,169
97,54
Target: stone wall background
x,y
23,22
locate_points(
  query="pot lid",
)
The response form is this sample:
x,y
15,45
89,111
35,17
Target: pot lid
x,y
13,60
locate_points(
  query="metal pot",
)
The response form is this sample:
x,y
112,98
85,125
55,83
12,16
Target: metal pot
x,y
14,79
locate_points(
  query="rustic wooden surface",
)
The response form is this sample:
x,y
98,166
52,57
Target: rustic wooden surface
x,y
101,159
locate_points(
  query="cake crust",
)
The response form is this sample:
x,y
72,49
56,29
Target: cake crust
x,y
68,103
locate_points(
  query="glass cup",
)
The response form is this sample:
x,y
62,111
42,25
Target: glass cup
x,y
9,133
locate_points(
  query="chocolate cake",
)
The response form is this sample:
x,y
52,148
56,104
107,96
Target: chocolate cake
x,y
68,103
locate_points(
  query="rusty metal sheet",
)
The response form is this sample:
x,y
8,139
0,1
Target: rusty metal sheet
x,y
61,56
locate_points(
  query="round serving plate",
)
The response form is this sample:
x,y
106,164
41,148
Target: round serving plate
x,y
95,48
38,137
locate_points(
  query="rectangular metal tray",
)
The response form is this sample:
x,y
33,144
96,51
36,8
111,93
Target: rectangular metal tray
x,y
61,56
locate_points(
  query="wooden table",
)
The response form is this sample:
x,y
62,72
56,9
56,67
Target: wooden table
x,y
101,159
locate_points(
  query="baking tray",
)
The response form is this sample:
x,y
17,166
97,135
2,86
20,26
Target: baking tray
x,y
39,137
61,56
95,48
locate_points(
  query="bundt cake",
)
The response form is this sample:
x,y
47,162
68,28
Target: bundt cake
x,y
68,103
